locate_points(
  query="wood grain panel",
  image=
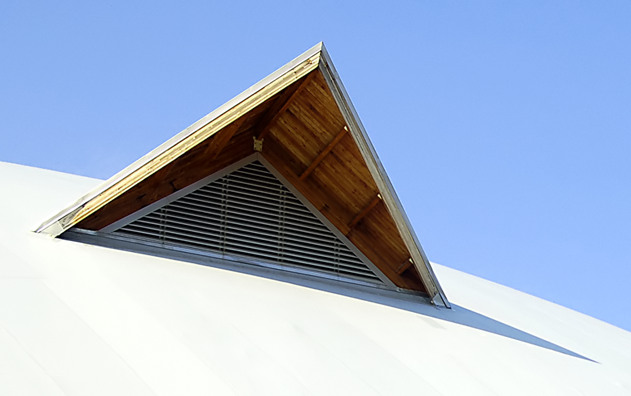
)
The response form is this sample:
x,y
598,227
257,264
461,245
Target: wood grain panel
x,y
341,186
280,104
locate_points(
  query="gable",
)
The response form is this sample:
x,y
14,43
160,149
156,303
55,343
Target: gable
x,y
301,122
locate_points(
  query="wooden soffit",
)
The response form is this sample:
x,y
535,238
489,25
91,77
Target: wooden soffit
x,y
302,122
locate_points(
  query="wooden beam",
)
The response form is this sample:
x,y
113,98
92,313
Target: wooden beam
x,y
404,266
364,212
221,139
323,153
280,105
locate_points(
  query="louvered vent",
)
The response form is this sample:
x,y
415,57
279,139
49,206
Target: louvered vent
x,y
249,213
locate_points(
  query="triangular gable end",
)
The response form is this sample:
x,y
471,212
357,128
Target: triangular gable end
x,y
300,121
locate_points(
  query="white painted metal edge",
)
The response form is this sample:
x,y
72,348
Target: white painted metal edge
x,y
378,172
57,224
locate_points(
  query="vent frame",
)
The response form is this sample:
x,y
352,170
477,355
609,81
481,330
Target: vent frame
x,y
380,281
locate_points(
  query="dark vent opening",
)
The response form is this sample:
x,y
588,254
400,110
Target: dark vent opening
x,y
250,214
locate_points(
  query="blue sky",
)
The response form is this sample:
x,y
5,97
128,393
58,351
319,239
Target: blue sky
x,y
504,126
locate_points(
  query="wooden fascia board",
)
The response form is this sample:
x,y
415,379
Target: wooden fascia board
x,y
380,177
183,141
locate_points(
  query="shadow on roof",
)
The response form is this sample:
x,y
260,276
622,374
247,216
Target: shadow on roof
x,y
458,315
408,301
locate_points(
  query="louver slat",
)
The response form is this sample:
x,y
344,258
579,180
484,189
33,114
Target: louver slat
x,y
249,213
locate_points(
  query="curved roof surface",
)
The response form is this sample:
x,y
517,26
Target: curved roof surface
x,y
78,319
